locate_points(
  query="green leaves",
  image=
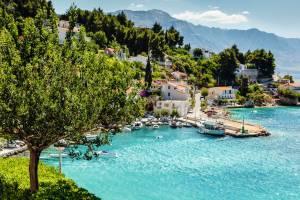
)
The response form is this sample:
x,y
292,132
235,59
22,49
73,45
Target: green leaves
x,y
14,181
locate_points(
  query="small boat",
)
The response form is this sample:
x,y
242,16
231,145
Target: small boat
x,y
90,137
148,123
137,125
127,129
106,154
187,125
179,124
155,126
173,124
56,155
212,128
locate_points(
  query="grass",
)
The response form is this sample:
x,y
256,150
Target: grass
x,y
14,183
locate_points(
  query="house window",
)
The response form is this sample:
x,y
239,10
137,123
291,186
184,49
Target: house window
x,y
169,94
229,91
169,87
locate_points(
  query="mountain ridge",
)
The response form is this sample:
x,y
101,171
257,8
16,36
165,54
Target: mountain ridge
x,y
286,50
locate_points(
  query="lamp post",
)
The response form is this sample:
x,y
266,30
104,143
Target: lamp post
x,y
60,147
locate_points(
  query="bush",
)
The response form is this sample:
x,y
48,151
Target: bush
x,y
14,183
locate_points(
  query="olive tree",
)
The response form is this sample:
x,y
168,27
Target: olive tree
x,y
50,92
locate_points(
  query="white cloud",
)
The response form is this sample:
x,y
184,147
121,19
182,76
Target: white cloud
x,y
246,12
214,17
136,5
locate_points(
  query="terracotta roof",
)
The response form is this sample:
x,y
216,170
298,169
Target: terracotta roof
x,y
294,84
223,88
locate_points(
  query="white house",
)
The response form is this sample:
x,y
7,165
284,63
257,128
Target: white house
x,y
294,86
181,106
225,92
139,58
175,91
251,74
179,76
63,28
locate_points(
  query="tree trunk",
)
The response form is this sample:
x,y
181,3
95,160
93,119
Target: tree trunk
x,y
33,170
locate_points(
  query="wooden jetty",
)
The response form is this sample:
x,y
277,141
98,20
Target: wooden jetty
x,y
233,128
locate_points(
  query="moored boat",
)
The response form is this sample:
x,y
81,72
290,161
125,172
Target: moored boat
x,y
137,125
212,128
106,154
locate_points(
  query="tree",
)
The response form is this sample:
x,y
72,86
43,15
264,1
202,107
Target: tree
x,y
289,77
244,82
228,65
157,28
175,113
263,61
204,92
122,18
49,92
148,74
198,53
239,55
100,38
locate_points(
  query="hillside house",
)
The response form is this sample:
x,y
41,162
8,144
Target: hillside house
x,y
179,76
175,91
251,74
225,92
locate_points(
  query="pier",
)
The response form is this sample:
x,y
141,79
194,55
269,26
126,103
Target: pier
x,y
7,152
233,127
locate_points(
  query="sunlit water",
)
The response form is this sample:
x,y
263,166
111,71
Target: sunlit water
x,y
186,165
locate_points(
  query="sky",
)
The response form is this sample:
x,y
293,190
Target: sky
x,y
281,17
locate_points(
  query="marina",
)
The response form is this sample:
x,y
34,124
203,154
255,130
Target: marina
x,y
180,163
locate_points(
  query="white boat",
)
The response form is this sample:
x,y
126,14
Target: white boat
x,y
56,155
137,125
127,129
91,137
212,128
155,126
106,154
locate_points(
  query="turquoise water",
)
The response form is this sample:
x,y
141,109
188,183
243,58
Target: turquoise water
x,y
188,166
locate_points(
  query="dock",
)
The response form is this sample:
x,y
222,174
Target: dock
x,y
7,152
233,127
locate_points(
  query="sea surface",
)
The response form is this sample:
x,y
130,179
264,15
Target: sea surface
x,y
185,165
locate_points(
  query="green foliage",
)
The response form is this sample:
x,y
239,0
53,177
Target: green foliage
x,y
263,61
228,64
165,113
14,183
288,93
175,113
203,105
148,74
197,53
289,77
257,95
204,92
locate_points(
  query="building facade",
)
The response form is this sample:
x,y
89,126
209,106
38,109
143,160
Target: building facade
x,y
175,91
181,106
226,92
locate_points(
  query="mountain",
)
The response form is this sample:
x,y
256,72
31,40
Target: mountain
x,y
286,50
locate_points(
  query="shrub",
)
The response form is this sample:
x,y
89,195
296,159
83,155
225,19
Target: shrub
x,y
14,183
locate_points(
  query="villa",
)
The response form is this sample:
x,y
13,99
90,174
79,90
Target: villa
x,y
181,106
140,59
251,74
180,76
225,92
294,86
173,90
